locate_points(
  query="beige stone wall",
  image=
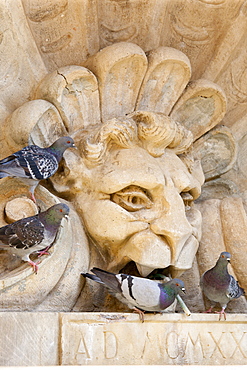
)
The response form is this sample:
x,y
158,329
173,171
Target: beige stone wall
x,y
45,48
120,339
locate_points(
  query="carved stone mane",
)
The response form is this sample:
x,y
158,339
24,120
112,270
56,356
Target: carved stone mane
x,y
153,131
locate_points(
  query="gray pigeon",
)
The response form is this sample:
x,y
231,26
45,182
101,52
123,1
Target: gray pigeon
x,y
33,164
33,234
138,293
219,286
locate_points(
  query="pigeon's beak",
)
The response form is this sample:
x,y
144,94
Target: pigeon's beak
x,y
183,290
228,259
67,217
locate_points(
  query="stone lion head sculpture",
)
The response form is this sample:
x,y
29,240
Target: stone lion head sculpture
x,y
137,120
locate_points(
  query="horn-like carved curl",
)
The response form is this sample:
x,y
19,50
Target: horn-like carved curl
x,y
97,139
157,131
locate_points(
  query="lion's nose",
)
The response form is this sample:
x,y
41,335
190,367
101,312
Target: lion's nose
x,y
173,225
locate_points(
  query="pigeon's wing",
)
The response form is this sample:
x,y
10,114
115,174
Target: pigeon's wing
x,y
30,162
93,277
22,234
109,279
38,163
234,290
142,293
10,166
133,291
112,283
139,292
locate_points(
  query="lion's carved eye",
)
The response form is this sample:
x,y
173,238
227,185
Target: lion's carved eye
x,y
133,198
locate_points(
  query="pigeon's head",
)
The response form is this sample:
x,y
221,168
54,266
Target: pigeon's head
x,y
58,211
225,257
63,143
177,285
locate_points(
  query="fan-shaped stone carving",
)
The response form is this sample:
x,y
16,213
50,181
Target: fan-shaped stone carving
x,y
135,173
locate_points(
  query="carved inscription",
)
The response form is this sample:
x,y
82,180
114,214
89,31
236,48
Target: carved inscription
x,y
110,344
172,342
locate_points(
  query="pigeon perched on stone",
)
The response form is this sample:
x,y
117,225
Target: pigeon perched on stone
x,y
33,164
219,286
137,293
33,234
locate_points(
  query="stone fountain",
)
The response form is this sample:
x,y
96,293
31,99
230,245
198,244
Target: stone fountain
x,y
153,94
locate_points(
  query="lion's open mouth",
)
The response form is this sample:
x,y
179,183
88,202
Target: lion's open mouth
x,y
131,269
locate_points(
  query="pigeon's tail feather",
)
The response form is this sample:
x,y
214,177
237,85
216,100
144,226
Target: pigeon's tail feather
x,y
92,277
3,174
235,290
109,279
241,291
96,269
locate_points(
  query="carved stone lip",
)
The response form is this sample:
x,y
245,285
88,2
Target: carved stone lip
x,y
131,269
183,262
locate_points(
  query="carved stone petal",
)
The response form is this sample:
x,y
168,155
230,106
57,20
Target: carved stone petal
x,y
218,189
234,225
40,118
242,153
201,107
120,69
224,228
212,241
74,92
168,73
217,151
219,231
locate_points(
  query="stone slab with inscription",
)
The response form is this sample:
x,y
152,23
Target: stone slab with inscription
x,y
106,338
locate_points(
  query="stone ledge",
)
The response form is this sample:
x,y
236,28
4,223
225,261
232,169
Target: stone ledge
x,y
50,338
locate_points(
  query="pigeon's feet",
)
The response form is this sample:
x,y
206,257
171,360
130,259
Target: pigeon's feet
x,y
44,251
222,313
34,265
33,197
140,312
209,310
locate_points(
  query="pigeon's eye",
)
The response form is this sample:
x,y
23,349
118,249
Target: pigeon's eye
x,y
223,256
133,198
68,142
61,210
177,284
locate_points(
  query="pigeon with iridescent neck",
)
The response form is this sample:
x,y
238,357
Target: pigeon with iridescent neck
x,y
33,164
34,234
137,293
219,286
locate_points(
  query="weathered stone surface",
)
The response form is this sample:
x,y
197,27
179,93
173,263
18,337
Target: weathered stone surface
x,y
74,92
46,339
219,233
117,63
234,225
29,339
217,150
139,55
67,30
168,339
